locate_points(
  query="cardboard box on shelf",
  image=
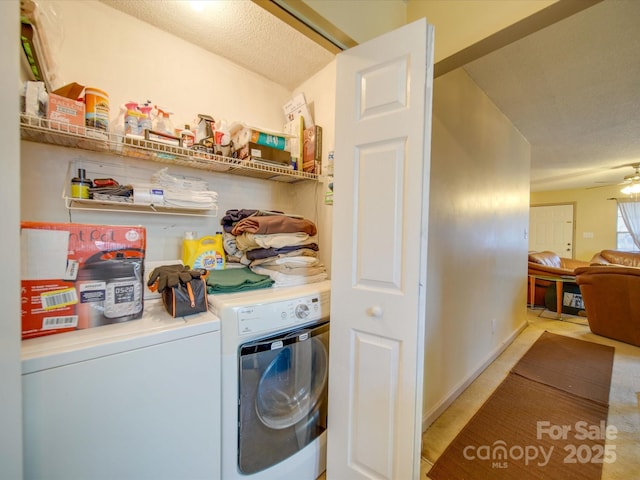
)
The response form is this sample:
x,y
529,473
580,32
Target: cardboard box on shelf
x,y
66,114
297,117
253,151
72,91
312,149
242,134
298,107
77,276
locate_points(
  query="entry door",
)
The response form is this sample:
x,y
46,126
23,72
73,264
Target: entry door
x,y
551,228
382,146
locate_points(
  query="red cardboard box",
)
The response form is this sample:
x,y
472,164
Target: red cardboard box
x,y
66,114
77,276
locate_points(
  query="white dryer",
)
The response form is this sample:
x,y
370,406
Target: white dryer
x,y
275,347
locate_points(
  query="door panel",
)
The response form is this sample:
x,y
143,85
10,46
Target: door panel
x,y
377,93
551,228
379,250
383,125
376,365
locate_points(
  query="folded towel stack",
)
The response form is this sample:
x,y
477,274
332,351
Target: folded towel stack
x,y
184,192
276,244
236,280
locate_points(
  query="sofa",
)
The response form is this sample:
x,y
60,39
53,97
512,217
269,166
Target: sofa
x,y
616,257
611,297
548,264
552,264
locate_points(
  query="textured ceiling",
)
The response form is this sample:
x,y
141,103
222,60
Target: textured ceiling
x,y
238,30
573,90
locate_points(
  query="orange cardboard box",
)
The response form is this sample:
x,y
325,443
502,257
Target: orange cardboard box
x,y
77,276
71,90
66,114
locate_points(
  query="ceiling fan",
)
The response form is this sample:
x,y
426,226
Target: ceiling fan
x,y
631,180
634,177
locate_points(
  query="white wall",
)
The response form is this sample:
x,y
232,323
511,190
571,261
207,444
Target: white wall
x,y
458,24
347,15
462,23
10,380
479,202
208,84
320,91
103,48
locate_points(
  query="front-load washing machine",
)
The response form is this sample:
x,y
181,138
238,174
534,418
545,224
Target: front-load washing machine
x,y
275,362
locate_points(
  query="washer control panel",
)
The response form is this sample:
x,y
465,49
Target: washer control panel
x,y
281,314
302,311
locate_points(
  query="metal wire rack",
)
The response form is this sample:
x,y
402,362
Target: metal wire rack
x,y
51,132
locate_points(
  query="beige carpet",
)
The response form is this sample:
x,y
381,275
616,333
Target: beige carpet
x,y
624,411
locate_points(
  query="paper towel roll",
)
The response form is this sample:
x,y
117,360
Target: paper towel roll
x,y
148,195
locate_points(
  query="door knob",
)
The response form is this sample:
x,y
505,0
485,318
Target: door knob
x,y
375,311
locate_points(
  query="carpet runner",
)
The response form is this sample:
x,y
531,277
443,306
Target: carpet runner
x,y
546,420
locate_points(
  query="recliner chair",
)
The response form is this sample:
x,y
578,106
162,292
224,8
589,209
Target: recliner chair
x,y
616,257
611,296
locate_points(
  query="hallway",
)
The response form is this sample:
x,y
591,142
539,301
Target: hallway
x,y
624,408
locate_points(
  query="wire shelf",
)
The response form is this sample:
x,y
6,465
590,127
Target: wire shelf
x,y
51,132
109,206
125,173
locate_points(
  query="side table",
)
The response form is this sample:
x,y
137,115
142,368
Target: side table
x,y
560,280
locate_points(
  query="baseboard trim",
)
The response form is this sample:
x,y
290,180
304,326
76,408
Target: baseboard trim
x,y
431,415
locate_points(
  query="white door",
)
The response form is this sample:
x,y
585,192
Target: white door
x,y
551,228
382,146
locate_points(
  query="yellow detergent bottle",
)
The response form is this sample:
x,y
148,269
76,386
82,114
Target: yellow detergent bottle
x,y
189,246
206,252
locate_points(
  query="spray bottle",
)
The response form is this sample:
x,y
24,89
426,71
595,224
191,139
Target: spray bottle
x,y
131,119
163,122
145,123
188,137
116,129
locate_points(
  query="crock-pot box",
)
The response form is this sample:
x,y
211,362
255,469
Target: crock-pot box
x,y
77,276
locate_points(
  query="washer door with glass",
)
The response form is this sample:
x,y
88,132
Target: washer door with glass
x,y
283,396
